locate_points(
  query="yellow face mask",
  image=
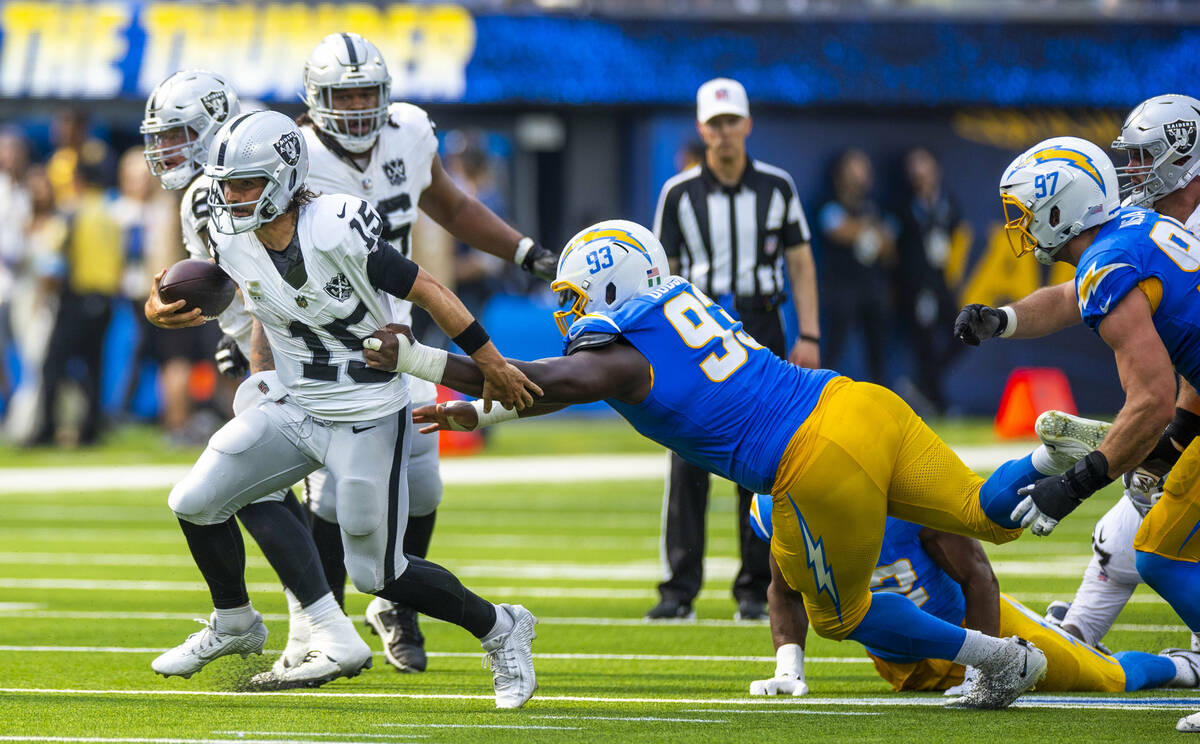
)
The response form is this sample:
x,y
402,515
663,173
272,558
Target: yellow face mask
x,y
1017,219
568,293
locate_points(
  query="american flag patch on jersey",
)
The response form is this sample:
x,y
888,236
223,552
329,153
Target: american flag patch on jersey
x,y
652,277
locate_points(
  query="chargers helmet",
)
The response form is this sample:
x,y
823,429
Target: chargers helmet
x,y
1159,136
196,103
261,144
604,266
347,60
1055,190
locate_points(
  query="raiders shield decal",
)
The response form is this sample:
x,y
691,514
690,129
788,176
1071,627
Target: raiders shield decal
x,y
1181,134
288,148
394,170
216,104
339,288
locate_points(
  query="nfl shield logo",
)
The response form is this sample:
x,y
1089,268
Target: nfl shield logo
x,y
288,148
301,300
216,104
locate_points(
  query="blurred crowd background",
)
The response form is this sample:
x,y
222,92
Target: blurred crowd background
x,y
557,113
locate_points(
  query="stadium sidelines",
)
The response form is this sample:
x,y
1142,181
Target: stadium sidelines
x,y
1098,702
469,471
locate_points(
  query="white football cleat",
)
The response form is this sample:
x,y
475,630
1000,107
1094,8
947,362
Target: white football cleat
x,y
511,659
1003,676
293,653
1189,724
1196,641
779,685
210,643
332,652
1069,438
970,677
1187,666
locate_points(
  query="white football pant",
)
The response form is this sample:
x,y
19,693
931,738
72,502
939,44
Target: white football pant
x,y
1111,576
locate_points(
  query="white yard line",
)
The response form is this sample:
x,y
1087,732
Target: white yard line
x,y
1029,701
465,471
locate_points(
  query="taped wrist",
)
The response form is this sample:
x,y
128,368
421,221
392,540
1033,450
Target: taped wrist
x,y
1087,476
1008,322
497,415
789,661
472,339
420,360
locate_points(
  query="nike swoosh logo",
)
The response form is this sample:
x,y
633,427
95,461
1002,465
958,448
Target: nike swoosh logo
x,y
361,429
342,213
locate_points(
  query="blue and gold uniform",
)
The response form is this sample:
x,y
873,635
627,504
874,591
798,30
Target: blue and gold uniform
x,y
838,456
1143,250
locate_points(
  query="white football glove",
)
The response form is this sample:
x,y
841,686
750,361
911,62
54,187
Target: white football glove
x,y
1028,515
786,685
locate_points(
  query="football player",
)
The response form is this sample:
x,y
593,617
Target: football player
x,y
1135,287
949,576
314,273
836,455
386,154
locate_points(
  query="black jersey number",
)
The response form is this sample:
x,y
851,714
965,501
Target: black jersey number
x,y
397,235
320,368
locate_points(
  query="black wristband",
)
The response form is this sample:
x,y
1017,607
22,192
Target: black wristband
x,y
810,337
472,339
1087,476
1184,427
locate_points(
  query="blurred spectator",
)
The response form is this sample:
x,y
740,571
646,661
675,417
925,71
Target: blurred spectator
x,y
930,223
75,148
858,250
14,223
87,279
477,275
689,155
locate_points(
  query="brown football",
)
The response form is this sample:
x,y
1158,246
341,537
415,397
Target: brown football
x,y
200,284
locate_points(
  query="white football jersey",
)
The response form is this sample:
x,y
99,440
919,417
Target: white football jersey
x,y
193,217
316,330
399,170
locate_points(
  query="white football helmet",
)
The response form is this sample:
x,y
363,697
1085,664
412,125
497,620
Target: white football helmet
x,y
1159,136
347,60
182,115
260,144
1055,190
604,266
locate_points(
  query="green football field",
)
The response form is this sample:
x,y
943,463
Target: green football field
x,y
95,580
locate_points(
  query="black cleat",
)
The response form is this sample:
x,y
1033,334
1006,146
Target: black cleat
x,y
751,609
403,642
671,609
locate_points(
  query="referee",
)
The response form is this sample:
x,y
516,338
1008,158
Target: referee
x,y
730,225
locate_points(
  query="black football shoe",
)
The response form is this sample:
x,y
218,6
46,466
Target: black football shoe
x,y
403,642
671,609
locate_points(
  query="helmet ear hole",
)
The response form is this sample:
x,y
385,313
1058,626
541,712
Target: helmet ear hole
x,y
610,293
1054,216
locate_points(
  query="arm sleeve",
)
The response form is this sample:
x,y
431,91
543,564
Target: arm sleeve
x,y
390,271
666,221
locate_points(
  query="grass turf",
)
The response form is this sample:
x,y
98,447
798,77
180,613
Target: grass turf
x,y
92,584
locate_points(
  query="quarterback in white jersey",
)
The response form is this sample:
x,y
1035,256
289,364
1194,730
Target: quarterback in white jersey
x,y
314,273
387,154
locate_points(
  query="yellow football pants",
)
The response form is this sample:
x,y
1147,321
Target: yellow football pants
x,y
1071,664
1170,527
861,455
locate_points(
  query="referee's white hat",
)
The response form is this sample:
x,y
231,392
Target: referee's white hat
x,y
721,96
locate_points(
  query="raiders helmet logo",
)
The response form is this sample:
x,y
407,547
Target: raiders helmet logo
x,y
339,288
288,148
216,104
394,170
1181,135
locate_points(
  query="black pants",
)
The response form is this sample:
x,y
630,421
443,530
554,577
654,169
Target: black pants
x,y
687,505
79,330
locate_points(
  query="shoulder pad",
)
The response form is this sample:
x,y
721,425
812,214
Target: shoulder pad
x,y
589,340
337,217
402,114
600,325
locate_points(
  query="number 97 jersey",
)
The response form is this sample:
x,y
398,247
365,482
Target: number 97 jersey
x,y
1156,254
717,398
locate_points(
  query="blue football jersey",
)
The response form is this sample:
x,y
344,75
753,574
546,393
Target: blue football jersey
x,y
905,568
1141,248
718,398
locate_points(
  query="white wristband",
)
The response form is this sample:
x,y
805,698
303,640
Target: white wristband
x,y
789,661
415,358
1011,327
522,251
499,414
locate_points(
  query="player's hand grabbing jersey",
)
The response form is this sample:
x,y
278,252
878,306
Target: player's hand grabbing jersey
x,y
193,217
1141,248
315,319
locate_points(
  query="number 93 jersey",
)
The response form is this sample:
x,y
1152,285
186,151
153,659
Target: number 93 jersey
x,y
316,329
718,398
1143,249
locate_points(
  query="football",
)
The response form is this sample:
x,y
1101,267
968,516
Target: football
x,y
200,284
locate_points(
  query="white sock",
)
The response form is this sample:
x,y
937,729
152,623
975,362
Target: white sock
x,y
235,621
323,612
1044,463
295,609
504,623
977,647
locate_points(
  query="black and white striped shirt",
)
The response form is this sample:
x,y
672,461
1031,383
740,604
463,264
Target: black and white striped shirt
x,y
729,240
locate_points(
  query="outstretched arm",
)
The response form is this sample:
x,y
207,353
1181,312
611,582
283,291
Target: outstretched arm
x,y
964,560
1046,311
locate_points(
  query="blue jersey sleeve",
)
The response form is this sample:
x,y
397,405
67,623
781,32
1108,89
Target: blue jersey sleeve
x,y
589,324
1102,283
